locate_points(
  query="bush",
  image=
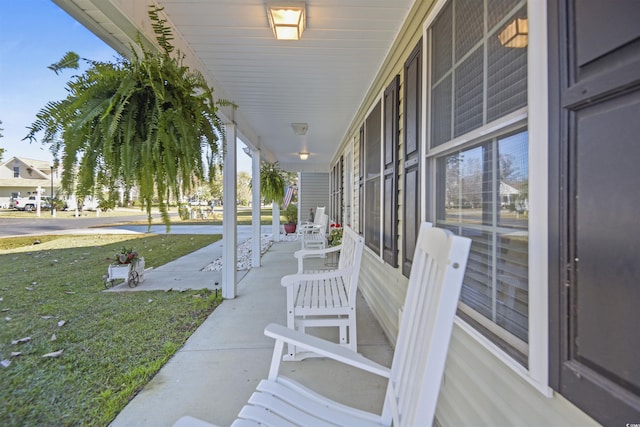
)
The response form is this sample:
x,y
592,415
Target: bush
x,y
183,212
291,214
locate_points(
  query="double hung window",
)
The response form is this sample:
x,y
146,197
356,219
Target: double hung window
x,y
478,154
372,214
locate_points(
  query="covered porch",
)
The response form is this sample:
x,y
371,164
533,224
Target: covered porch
x,y
386,99
216,371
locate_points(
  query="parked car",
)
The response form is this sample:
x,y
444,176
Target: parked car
x,y
30,203
14,203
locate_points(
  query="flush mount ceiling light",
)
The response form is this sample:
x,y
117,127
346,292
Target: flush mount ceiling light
x,y
287,19
303,155
516,34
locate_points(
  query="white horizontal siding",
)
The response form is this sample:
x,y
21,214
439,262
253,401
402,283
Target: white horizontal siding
x,y
313,191
480,390
384,289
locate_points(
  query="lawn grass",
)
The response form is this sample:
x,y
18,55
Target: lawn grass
x,y
112,343
243,216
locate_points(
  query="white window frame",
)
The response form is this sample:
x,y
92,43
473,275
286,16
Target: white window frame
x,y
535,115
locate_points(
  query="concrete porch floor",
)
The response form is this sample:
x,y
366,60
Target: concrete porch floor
x,y
218,368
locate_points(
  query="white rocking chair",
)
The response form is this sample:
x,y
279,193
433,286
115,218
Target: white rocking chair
x,y
418,362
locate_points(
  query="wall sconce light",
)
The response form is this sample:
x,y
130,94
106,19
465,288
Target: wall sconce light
x,y
287,19
303,155
516,34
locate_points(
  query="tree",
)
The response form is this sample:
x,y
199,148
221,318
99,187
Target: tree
x,y
146,121
216,186
243,181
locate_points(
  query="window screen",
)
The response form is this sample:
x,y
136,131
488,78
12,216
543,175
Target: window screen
x,y
474,78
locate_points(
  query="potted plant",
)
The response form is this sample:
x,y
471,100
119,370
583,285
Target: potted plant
x,y
335,235
127,256
291,214
146,120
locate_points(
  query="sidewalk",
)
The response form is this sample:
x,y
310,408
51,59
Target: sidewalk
x,y
212,376
183,273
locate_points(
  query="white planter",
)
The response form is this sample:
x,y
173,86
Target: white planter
x,y
132,276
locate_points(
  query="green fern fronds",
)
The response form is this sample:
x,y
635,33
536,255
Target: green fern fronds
x,y
146,122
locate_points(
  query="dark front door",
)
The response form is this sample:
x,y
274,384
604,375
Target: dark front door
x,y
595,206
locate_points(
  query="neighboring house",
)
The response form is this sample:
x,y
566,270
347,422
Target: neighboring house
x,y
20,177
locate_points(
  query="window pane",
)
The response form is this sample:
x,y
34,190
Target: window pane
x,y
498,9
442,31
482,194
507,76
513,163
468,89
441,113
372,215
469,25
372,147
512,293
476,291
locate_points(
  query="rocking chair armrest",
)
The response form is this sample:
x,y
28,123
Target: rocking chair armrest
x,y
325,348
292,279
302,253
310,226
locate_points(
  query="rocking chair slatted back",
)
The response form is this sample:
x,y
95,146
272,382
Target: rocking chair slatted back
x,y
425,328
351,256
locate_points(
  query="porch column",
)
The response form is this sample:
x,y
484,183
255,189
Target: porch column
x,y
229,219
255,209
276,222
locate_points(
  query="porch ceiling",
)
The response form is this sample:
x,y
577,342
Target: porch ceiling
x,y
320,80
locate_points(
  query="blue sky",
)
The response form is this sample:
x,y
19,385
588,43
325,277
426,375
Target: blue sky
x,y
33,35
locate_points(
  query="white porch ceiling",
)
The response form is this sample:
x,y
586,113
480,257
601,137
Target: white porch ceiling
x,y
320,80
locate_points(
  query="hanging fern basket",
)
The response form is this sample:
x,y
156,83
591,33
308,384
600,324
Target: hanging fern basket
x,y
272,182
147,122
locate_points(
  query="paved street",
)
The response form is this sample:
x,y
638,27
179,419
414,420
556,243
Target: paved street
x,y
87,224
31,224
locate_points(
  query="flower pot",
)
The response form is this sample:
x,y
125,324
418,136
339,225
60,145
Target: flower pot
x,y
290,227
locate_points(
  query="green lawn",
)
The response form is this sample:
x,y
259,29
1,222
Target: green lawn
x,y
112,343
244,216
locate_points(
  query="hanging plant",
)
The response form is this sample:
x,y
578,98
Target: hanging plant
x,y
272,182
148,121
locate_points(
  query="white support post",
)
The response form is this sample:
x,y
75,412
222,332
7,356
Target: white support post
x,y
255,209
275,209
229,219
38,199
